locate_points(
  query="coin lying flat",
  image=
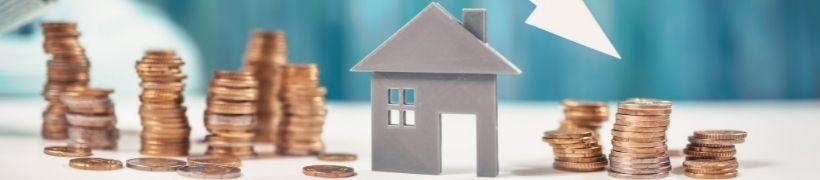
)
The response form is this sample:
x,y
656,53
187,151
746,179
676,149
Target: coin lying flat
x,y
720,134
638,176
154,164
209,171
216,160
336,157
99,164
328,171
65,151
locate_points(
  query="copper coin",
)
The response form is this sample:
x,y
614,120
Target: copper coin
x,y
328,171
336,157
209,171
219,160
99,164
720,134
66,151
154,164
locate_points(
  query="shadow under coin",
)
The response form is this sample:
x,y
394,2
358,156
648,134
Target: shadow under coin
x,y
754,164
677,170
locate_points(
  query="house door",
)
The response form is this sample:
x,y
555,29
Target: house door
x,y
458,143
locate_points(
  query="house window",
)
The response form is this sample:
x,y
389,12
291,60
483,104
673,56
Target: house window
x,y
409,96
393,117
393,96
401,110
409,118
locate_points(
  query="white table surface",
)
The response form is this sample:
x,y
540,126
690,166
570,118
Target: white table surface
x,y
782,141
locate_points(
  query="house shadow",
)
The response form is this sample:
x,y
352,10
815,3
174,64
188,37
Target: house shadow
x,y
535,170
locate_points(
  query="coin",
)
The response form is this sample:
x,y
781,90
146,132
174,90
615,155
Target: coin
x,y
644,103
336,157
695,140
637,176
328,171
664,158
209,171
231,114
154,164
219,160
304,103
581,159
711,176
95,164
626,134
65,151
720,134
557,134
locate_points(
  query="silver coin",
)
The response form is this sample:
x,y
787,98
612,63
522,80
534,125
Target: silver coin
x,y
627,170
154,164
641,165
209,171
637,176
645,103
664,158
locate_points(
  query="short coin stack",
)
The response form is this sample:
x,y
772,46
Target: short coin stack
x,y
575,151
639,148
67,68
580,115
91,118
231,114
266,53
165,127
710,154
305,104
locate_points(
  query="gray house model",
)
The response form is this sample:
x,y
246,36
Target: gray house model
x,y
433,65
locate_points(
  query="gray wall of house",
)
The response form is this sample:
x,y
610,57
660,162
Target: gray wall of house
x,y
417,149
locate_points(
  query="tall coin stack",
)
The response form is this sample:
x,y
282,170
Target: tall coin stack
x,y
67,68
575,150
266,53
231,114
710,154
165,127
305,111
639,148
91,118
582,115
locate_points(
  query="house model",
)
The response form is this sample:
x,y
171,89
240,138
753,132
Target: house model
x,y
433,65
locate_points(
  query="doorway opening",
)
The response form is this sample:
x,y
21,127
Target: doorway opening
x,y
458,144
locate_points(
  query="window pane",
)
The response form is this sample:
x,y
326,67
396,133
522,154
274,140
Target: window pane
x,y
392,96
409,118
409,96
393,117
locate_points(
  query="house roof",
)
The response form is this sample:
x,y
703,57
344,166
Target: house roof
x,y
435,42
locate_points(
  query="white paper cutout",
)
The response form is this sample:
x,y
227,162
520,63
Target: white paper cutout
x,y
571,20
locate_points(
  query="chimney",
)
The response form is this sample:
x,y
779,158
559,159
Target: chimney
x,y
475,20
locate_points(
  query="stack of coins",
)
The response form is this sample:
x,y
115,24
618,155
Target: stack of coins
x,y
67,68
580,115
231,114
91,118
165,127
710,154
301,130
266,53
575,150
639,139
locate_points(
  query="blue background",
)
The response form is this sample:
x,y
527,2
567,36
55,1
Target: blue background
x,y
672,49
